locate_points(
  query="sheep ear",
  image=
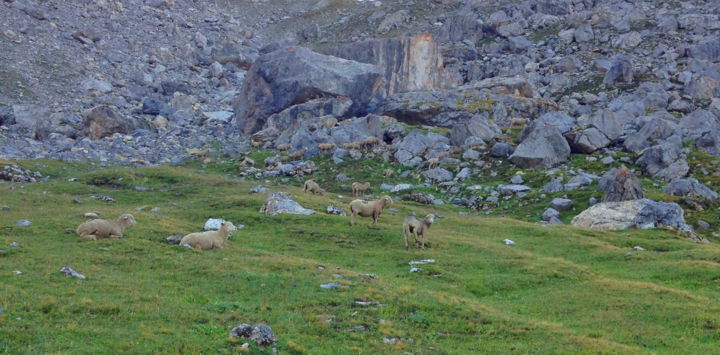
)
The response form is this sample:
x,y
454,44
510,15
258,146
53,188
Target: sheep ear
x,y
125,217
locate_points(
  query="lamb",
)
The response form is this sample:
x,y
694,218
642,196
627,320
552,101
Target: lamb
x,y
283,147
313,187
357,188
324,147
102,228
298,154
353,145
518,122
370,142
417,227
369,209
210,239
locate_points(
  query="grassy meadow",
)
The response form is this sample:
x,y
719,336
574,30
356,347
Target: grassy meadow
x,y
559,289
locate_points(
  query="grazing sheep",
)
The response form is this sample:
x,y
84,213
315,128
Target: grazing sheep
x,y
387,172
283,147
210,239
353,145
370,142
431,163
102,228
324,147
417,227
298,154
357,188
518,122
368,209
313,187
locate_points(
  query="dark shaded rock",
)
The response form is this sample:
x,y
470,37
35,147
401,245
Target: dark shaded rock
x,y
477,126
501,150
293,75
654,130
620,185
103,121
543,148
587,141
7,116
664,162
621,71
550,213
690,186
555,185
261,334
561,204
697,123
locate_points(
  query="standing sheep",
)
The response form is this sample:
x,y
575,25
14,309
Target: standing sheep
x,y
313,187
283,147
324,147
432,162
369,209
210,239
357,188
102,228
414,226
387,172
370,142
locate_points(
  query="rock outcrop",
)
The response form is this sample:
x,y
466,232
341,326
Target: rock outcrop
x,y
642,214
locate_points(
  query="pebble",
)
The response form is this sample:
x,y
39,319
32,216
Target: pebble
x,y
421,262
14,245
17,272
415,269
24,223
508,242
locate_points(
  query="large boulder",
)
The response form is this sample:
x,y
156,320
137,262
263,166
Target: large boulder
x,y
543,148
690,186
407,63
587,140
103,121
620,185
417,143
664,161
621,71
653,131
281,202
642,214
438,175
608,123
559,120
709,50
291,75
476,126
696,124
436,108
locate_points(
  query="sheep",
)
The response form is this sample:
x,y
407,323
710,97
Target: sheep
x,y
518,122
370,142
298,154
368,209
313,187
387,172
431,163
102,228
283,147
442,154
210,239
357,188
324,147
353,145
414,226
246,162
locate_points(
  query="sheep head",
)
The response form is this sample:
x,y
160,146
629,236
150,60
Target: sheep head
x,y
386,201
229,227
127,219
429,219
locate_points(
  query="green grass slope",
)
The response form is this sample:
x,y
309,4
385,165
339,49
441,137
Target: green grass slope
x,y
558,290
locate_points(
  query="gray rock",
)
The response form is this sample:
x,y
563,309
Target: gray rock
x,y
280,202
416,143
103,121
24,223
69,272
702,225
607,160
386,187
438,175
516,180
509,190
559,120
471,154
336,211
292,75
401,187
664,162
501,150
703,87
627,41
593,201
213,224
654,131
561,204
477,126
464,174
584,33
698,123
642,214
621,71
550,213
555,185
258,190
174,239
620,185
261,334
608,123
690,186
587,141
543,148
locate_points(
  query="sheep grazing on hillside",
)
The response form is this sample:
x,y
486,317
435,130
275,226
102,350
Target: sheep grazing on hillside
x,y
372,209
283,147
370,142
353,145
313,187
431,163
210,239
387,172
297,155
102,228
414,226
324,147
357,188
519,122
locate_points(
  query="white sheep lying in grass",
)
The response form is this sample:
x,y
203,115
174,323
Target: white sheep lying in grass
x,y
210,239
372,209
102,228
416,227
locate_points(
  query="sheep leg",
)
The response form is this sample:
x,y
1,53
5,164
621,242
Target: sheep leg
x,y
114,236
352,218
406,239
422,240
375,218
89,236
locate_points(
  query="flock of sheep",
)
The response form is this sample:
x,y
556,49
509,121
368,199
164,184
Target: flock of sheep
x,y
102,228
